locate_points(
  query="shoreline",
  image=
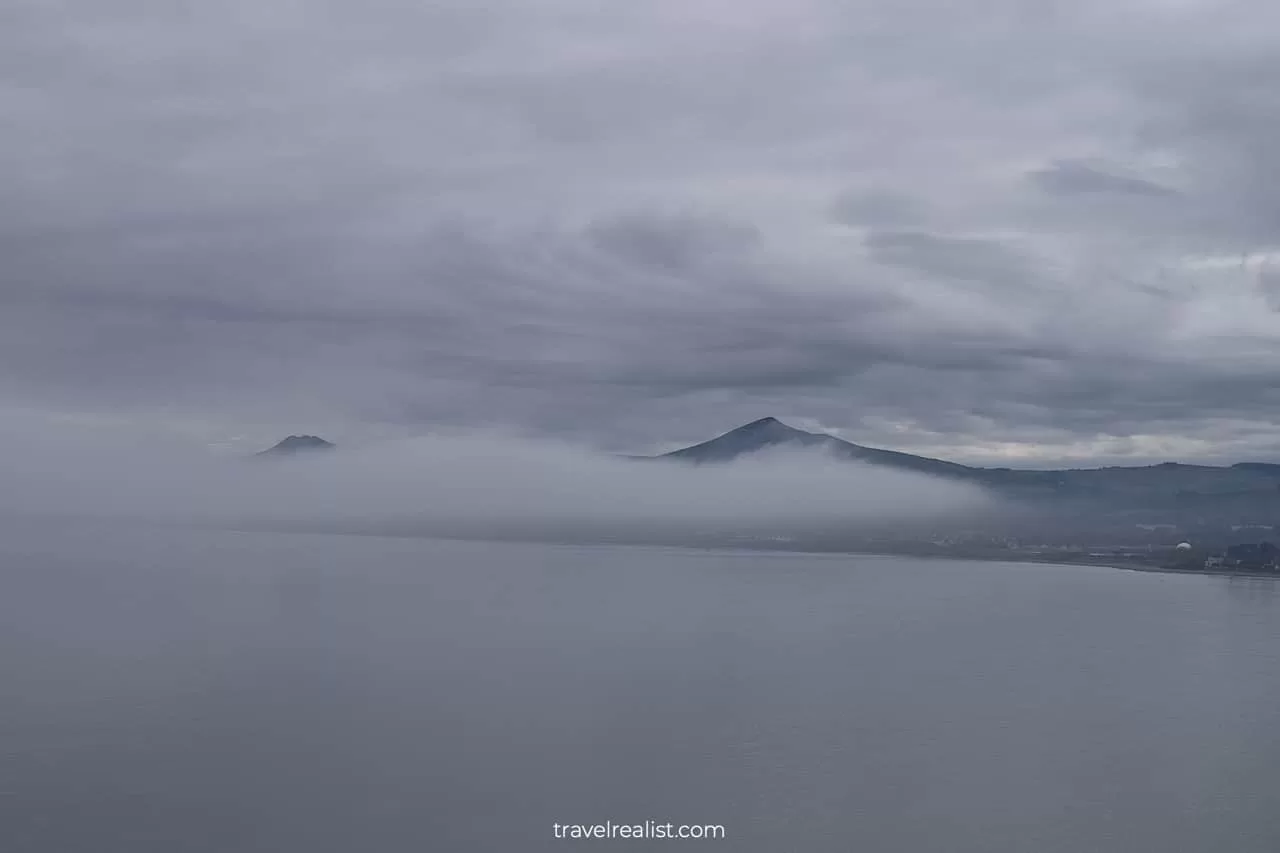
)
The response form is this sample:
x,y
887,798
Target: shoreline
x,y
1170,570
1121,565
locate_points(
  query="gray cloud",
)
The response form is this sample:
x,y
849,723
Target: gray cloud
x,y
635,226
675,243
982,262
878,209
1068,177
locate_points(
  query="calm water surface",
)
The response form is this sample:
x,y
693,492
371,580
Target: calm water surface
x,y
171,691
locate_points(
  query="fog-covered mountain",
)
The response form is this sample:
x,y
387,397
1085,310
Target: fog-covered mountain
x,y
772,433
1245,491
294,444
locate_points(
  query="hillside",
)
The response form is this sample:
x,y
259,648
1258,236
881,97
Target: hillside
x,y
1246,491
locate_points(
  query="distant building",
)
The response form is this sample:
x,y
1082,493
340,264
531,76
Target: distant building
x,y
1256,555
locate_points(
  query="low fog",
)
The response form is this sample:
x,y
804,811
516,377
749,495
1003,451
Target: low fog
x,y
477,485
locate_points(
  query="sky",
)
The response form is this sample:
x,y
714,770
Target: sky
x,y
1013,232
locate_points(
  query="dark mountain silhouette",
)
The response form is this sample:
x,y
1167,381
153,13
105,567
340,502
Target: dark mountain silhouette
x,y
295,444
771,432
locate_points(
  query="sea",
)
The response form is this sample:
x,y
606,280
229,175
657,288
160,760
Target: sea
x,y
168,690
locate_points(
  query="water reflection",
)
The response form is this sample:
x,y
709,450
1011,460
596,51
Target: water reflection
x,y
206,692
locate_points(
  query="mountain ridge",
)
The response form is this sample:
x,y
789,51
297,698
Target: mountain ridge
x,y
770,432
1243,490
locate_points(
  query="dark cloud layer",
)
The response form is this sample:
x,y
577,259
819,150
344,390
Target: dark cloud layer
x,y
1069,177
1028,232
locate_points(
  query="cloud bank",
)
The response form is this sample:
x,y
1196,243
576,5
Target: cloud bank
x,y
463,485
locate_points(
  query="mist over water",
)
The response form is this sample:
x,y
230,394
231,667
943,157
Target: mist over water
x,y
203,691
470,484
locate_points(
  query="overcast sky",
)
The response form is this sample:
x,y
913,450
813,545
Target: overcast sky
x,y
1006,230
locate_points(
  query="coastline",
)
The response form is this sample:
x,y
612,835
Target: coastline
x,y
1122,565
1171,570
992,557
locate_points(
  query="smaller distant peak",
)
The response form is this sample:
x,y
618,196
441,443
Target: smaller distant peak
x,y
298,443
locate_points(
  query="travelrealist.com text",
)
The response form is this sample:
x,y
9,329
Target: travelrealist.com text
x,y
648,829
